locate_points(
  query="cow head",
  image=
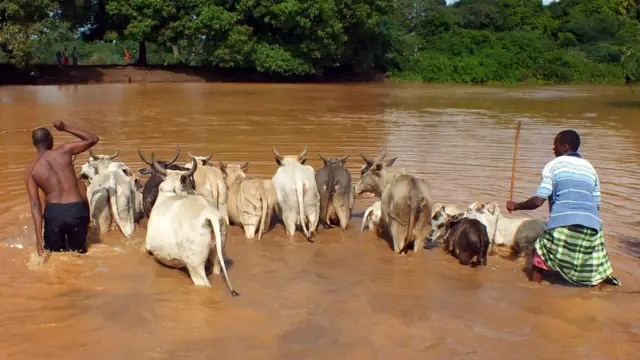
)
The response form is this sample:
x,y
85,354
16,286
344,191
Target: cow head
x,y
442,220
373,179
175,181
201,160
339,161
234,172
96,164
290,159
369,161
166,164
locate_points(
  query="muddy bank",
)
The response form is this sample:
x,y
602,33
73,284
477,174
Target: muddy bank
x,y
123,74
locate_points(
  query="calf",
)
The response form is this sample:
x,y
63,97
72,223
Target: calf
x,y
336,193
296,193
179,233
250,202
518,234
371,217
467,241
405,203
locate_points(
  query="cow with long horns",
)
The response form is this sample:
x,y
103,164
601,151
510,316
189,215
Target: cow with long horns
x,y
150,189
296,193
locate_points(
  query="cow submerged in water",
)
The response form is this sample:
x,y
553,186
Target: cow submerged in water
x,y
336,194
180,227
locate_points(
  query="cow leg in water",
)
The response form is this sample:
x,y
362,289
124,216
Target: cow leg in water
x,y
214,260
398,234
289,218
198,275
343,216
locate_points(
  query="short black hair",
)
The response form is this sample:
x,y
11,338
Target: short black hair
x,y
42,138
570,138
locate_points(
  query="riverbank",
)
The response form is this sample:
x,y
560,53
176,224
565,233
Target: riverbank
x,y
123,74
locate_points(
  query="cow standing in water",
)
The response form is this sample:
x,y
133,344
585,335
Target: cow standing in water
x,y
336,193
297,194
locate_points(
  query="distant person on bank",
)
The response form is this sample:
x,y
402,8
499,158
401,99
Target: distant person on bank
x,y
66,213
127,55
59,58
573,240
74,54
65,55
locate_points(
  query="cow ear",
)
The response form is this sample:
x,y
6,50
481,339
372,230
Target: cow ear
x,y
144,171
457,217
390,161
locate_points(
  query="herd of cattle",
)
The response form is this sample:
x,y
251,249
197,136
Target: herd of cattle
x,y
189,207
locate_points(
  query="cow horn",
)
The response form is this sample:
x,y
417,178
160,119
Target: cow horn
x,y
322,157
157,167
367,159
223,166
146,161
209,157
344,158
303,153
276,153
383,153
73,159
194,166
175,157
115,155
92,155
191,156
244,165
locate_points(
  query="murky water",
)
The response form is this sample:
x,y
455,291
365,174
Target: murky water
x,y
348,296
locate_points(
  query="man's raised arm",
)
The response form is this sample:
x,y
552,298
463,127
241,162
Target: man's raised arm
x,y
86,142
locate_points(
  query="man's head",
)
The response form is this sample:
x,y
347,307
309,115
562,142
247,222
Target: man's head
x,y
42,139
566,141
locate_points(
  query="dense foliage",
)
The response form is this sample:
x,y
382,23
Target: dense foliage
x,y
469,41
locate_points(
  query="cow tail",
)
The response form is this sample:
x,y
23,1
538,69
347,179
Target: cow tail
x,y
263,207
112,190
214,219
329,192
414,201
222,189
300,196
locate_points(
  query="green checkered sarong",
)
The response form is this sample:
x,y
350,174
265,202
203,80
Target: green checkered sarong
x,y
577,253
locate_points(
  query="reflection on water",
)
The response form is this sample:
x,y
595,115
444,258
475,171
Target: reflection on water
x,y
347,295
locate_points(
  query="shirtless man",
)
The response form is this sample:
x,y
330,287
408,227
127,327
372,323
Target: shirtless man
x,y
66,215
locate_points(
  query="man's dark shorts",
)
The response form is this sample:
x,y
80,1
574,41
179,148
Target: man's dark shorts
x,y
65,227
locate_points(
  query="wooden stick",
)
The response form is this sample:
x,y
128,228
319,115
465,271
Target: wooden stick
x,y
513,165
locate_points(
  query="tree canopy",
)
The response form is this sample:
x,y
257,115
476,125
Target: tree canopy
x,y
468,41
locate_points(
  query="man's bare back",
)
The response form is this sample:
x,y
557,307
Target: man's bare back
x,y
53,172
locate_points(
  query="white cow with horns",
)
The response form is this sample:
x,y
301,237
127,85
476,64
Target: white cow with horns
x,y
180,227
297,193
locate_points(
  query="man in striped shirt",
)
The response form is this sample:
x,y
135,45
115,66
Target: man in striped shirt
x,y
573,240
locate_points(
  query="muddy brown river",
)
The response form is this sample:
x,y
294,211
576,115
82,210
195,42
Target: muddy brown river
x,y
347,296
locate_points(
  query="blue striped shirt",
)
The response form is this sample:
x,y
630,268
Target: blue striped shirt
x,y
572,187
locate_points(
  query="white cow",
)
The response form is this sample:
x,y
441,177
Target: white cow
x,y
297,193
180,227
371,216
518,234
210,183
112,194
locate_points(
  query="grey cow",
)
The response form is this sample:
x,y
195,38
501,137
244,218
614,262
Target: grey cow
x,y
336,193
